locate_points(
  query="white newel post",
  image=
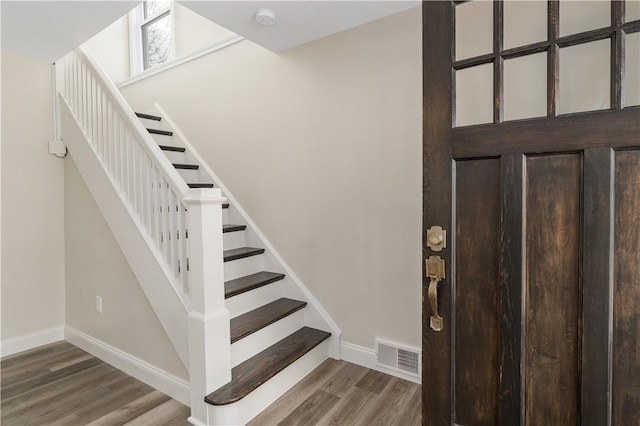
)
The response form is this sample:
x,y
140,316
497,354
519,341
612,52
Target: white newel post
x,y
209,329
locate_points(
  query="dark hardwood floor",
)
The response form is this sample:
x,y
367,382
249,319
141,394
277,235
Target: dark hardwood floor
x,y
59,384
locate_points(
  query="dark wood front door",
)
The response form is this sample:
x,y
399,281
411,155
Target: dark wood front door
x,y
541,300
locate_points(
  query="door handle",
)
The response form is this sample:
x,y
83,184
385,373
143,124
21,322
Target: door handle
x,y
435,273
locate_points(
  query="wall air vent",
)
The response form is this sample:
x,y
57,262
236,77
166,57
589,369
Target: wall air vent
x,y
398,357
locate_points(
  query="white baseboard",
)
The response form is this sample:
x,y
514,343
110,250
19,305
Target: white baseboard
x,y
367,358
167,383
31,340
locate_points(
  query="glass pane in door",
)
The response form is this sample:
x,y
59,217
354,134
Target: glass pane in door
x,y
474,29
525,22
579,16
525,87
585,77
632,70
632,10
474,95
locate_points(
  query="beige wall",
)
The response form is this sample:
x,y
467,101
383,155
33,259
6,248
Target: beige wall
x,y
194,32
32,202
322,145
96,267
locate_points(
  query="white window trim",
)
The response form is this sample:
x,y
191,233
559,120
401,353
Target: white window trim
x,y
136,22
172,63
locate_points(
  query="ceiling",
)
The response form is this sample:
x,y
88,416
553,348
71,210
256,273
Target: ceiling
x,y
47,30
297,22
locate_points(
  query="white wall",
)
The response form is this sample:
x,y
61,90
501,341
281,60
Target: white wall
x,y
111,48
96,267
32,202
322,145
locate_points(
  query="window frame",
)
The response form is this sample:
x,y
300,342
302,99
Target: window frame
x,y
137,47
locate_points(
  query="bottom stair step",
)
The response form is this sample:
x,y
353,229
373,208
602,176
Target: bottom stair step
x,y
248,376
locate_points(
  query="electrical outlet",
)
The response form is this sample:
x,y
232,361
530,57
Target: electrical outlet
x,y
99,304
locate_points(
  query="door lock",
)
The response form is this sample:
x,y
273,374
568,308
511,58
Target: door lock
x,y
434,266
436,238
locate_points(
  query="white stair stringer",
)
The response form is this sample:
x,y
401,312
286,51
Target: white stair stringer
x,y
292,286
146,263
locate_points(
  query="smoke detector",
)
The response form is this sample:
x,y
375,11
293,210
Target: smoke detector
x,y
265,17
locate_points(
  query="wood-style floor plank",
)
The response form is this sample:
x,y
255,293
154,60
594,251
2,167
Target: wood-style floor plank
x,y
311,410
132,410
22,386
344,379
362,397
170,412
41,352
413,414
353,406
296,395
57,391
14,365
61,385
391,404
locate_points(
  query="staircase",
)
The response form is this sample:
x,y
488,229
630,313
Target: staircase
x,y
255,357
242,322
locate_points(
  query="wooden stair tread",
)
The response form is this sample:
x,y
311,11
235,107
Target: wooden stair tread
x,y
225,206
148,116
160,132
186,166
246,324
249,375
200,185
250,282
172,148
233,228
242,252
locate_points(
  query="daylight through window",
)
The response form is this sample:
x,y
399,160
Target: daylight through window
x,y
156,33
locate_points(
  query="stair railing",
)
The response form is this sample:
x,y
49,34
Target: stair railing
x,y
182,226
144,177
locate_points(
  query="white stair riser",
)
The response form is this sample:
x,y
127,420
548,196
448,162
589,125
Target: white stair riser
x,y
256,342
242,267
152,124
189,176
241,412
250,300
225,217
175,157
231,240
163,139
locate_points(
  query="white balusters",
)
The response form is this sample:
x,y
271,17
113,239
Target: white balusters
x,y
145,178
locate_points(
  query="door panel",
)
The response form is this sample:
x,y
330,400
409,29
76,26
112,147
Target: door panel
x,y
541,303
477,315
626,311
552,290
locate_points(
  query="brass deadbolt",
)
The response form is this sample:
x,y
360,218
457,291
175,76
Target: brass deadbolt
x,y
436,238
